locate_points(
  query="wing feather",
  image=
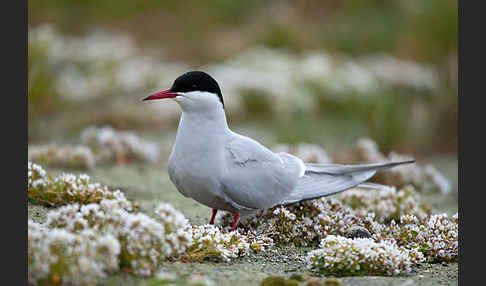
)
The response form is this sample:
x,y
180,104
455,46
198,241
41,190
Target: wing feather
x,y
256,177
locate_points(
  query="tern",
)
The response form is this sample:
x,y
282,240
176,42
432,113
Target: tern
x,y
228,171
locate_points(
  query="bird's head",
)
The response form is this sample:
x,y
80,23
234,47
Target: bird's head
x,y
193,91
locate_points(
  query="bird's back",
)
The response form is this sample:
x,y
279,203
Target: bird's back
x,y
256,177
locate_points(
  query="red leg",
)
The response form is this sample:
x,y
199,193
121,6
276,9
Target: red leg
x,y
211,221
237,216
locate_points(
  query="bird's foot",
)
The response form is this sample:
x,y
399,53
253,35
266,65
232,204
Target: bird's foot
x,y
235,222
211,221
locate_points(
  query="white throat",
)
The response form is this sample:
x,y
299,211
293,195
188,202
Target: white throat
x,y
202,127
204,123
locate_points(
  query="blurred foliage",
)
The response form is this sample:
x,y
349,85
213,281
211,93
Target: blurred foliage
x,y
436,27
72,13
387,114
200,32
255,103
423,30
356,28
42,97
280,37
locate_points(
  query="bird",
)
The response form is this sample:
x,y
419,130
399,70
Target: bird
x,y
227,171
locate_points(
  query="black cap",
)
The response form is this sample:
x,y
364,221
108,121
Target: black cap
x,y
197,81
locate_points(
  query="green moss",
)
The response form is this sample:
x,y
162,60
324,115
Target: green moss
x,y
279,281
297,277
255,246
332,282
313,283
355,203
174,280
207,253
274,281
292,282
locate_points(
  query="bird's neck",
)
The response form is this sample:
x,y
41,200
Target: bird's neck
x,y
202,130
214,121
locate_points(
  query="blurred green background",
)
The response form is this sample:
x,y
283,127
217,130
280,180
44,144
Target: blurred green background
x,y
392,109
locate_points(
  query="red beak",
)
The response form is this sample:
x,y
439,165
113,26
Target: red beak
x,y
161,95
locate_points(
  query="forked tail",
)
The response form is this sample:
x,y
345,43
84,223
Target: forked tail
x,y
322,180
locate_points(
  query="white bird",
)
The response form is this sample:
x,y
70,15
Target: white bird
x,y
228,171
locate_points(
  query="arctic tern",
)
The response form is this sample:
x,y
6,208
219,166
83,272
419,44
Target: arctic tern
x,y
228,171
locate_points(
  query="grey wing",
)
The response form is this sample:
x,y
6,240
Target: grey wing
x,y
255,176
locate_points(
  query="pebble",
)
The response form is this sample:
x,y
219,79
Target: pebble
x,y
357,231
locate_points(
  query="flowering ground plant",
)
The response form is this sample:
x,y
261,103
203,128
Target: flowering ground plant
x,y
120,236
386,203
62,257
306,222
103,145
436,236
111,145
145,241
216,244
343,256
76,157
64,189
415,233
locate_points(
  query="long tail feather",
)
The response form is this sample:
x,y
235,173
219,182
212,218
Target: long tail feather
x,y
321,180
373,186
346,169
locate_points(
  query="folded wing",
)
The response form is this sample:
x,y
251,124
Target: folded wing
x,y
255,176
